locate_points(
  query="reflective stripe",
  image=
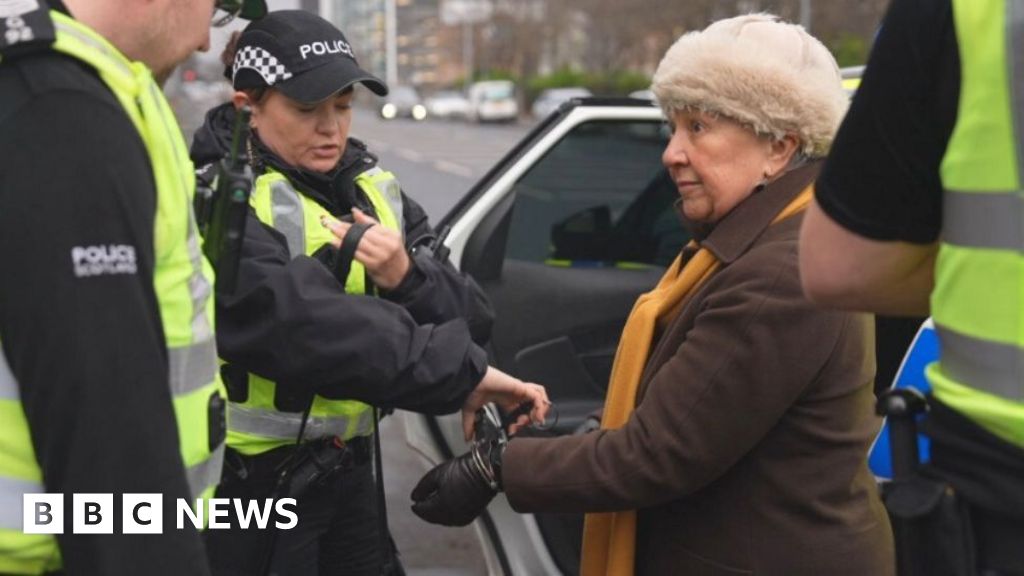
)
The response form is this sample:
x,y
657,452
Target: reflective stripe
x,y
983,219
991,367
8,385
365,425
286,210
285,425
384,185
11,490
205,474
192,367
199,287
1015,72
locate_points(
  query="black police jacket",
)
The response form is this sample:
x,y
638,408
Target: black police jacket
x,y
417,347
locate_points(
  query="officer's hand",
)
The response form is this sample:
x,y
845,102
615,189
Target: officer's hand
x,y
381,250
454,493
508,392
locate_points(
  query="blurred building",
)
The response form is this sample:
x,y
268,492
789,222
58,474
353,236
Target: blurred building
x,y
420,49
437,42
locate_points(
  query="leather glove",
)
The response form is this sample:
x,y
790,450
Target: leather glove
x,y
454,493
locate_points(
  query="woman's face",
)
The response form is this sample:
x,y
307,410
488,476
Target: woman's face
x,y
716,162
309,136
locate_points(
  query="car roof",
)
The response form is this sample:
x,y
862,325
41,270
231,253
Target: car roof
x,y
568,90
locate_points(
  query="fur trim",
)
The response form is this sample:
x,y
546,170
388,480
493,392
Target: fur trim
x,y
772,76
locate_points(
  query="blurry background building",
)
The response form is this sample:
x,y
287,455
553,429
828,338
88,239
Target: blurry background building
x,y
609,47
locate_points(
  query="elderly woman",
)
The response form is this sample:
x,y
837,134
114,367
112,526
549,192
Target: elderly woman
x,y
738,415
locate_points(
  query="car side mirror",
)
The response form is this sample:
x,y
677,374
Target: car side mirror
x,y
583,235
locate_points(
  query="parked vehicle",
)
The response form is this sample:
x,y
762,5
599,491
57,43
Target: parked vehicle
x,y
549,100
447,104
851,78
642,95
493,101
563,234
403,102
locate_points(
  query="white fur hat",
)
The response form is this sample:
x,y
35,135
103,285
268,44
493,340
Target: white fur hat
x,y
759,71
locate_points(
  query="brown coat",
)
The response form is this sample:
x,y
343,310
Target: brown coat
x,y
747,451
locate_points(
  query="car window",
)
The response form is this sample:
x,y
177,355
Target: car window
x,y
598,198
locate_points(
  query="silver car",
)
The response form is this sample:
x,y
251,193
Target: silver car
x,y
549,100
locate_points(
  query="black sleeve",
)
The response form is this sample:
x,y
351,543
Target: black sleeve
x,y
86,346
881,180
291,322
434,291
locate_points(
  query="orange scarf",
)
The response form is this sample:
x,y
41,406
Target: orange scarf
x,y
609,539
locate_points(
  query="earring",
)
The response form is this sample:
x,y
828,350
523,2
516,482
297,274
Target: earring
x,y
763,183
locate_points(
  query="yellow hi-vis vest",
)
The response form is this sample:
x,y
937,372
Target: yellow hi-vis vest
x,y
182,282
256,426
978,301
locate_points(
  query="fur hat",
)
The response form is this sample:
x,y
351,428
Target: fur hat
x,y
759,71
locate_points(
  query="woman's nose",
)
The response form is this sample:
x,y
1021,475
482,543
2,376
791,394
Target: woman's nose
x,y
675,152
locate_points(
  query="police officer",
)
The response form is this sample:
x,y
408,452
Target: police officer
x,y
108,380
328,322
919,210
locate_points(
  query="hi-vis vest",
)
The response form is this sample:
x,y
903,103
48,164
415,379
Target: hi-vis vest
x,y
182,282
255,426
978,301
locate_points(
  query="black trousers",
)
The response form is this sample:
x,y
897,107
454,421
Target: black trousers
x,y
988,474
337,532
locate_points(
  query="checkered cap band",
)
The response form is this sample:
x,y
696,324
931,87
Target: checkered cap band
x,y
262,62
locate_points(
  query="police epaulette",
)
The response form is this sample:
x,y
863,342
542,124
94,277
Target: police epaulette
x,y
25,27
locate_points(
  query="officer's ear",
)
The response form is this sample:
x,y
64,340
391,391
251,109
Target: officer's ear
x,y
239,99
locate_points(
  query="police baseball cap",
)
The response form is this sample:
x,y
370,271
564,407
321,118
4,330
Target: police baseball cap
x,y
300,54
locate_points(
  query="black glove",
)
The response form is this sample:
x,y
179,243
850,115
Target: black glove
x,y
455,492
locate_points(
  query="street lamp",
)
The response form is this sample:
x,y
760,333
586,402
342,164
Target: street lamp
x,y
805,14
391,42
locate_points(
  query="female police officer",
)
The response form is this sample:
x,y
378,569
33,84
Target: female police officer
x,y
315,335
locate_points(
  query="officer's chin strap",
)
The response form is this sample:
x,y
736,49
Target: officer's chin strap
x,y
389,563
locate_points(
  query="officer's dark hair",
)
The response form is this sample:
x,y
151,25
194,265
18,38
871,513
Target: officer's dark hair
x,y
227,56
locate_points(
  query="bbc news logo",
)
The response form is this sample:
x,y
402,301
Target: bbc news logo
x,y
144,513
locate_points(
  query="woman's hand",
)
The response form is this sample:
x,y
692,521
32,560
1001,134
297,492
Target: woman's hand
x,y
380,250
508,392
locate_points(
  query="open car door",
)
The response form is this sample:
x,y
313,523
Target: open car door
x,y
563,235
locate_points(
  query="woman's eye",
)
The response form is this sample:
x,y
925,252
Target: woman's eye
x,y
696,126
